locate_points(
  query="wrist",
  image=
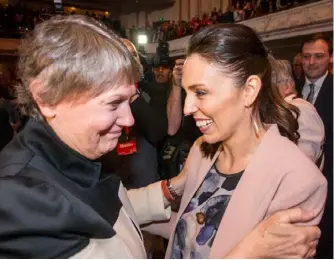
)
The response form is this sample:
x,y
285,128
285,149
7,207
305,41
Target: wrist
x,y
249,247
178,185
177,84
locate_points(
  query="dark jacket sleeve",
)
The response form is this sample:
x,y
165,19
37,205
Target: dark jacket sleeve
x,y
6,130
151,116
36,221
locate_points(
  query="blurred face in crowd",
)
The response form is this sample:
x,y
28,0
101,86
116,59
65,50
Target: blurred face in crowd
x,y
132,49
162,74
214,101
285,86
315,59
91,125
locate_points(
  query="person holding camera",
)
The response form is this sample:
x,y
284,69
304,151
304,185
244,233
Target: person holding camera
x,y
182,130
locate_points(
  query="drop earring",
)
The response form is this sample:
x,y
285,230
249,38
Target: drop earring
x,y
255,125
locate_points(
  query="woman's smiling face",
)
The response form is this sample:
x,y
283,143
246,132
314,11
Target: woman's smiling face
x,y
212,99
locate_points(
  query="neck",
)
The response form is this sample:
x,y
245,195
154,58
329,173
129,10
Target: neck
x,y
238,150
313,80
70,141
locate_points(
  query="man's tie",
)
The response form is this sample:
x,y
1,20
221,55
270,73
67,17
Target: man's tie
x,y
311,94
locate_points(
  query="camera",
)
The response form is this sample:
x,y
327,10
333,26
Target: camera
x,y
162,55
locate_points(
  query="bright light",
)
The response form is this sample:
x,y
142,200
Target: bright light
x,y
142,39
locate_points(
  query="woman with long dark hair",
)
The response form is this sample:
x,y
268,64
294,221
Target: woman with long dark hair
x,y
246,166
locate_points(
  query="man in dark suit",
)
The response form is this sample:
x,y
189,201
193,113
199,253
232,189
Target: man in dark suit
x,y
317,88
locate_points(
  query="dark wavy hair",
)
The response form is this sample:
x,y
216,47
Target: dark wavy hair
x,y
238,51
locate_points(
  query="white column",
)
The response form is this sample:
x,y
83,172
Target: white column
x,y
193,8
216,3
185,9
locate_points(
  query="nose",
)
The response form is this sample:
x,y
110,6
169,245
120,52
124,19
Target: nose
x,y
189,106
125,118
312,59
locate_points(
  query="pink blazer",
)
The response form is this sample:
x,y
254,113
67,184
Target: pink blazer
x,y
279,176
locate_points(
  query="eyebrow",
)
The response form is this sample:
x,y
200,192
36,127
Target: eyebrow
x,y
314,53
194,86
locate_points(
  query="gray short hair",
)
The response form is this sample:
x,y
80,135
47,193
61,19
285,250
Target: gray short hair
x,y
281,72
71,56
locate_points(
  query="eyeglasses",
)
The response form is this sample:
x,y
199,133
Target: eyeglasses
x,y
283,81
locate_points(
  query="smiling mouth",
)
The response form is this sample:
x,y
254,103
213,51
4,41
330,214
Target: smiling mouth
x,y
204,123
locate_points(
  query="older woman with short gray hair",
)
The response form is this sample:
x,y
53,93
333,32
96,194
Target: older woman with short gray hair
x,y
311,127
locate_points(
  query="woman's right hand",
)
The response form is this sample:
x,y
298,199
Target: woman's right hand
x,y
177,72
279,237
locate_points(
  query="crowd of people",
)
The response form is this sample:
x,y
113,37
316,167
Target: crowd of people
x,y
227,155
84,87
15,20
240,11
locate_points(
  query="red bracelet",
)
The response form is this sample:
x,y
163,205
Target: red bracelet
x,y
166,192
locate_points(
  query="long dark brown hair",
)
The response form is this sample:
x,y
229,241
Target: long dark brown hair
x,y
237,50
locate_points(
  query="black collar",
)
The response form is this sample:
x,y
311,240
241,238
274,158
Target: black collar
x,y
40,138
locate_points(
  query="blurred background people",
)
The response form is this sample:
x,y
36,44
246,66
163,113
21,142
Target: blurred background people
x,y
311,128
317,88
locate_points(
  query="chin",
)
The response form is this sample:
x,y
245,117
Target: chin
x,y
210,139
111,145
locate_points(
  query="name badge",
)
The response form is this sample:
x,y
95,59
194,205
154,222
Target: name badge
x,y
127,148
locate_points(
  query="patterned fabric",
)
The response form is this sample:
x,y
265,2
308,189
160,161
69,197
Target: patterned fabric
x,y
196,229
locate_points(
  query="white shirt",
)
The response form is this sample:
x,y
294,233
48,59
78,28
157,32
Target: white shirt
x,y
317,87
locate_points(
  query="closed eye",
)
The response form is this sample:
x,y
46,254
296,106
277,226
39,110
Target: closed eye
x,y
114,104
200,93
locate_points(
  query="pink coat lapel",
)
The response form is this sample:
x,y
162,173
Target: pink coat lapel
x,y
196,175
256,196
256,184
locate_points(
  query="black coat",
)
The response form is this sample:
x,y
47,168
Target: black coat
x,y
52,199
6,130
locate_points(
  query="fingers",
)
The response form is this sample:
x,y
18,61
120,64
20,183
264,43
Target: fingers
x,y
177,71
312,233
294,215
179,62
311,254
312,249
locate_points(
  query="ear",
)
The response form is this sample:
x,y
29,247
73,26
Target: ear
x,y
252,88
48,111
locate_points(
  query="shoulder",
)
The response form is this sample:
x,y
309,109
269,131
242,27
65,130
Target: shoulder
x,y
37,216
308,113
33,217
329,79
301,103
286,158
196,156
196,147
11,165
